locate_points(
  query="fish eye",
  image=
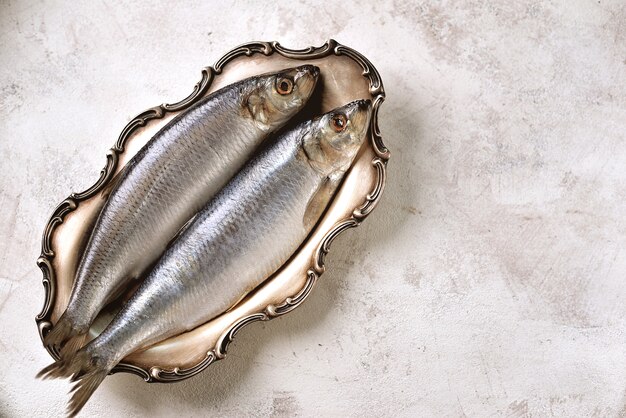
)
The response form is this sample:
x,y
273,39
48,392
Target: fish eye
x,y
284,86
338,123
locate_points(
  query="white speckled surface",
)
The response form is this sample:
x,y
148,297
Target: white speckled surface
x,y
489,282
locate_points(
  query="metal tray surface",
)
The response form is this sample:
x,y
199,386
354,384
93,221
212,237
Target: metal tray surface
x,y
346,75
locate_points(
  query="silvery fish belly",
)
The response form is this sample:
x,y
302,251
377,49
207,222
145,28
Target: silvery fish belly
x,y
238,239
169,180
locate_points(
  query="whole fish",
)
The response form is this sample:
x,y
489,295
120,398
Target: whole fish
x,y
238,239
168,181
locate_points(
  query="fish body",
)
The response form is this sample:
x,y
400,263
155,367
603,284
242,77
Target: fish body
x,y
169,180
240,238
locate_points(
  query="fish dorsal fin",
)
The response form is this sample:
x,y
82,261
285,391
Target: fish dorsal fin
x,y
320,199
108,189
181,231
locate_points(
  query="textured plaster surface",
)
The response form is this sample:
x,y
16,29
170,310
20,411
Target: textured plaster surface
x,y
489,281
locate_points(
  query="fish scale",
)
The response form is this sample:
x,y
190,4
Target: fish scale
x,y
255,204
242,236
168,181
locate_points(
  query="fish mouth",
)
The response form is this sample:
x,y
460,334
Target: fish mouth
x,y
305,78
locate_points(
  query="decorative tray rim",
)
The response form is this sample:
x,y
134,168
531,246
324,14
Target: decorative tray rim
x,y
155,373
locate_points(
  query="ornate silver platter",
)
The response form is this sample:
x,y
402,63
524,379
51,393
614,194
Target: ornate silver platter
x,y
346,75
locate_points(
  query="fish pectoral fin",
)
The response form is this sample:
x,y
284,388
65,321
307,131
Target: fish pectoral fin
x,y
181,231
242,297
319,201
258,111
108,189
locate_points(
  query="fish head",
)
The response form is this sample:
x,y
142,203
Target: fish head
x,y
333,140
278,96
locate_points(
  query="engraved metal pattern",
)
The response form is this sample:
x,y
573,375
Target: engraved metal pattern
x,y
156,374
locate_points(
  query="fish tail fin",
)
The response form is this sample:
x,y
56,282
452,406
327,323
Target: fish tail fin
x,y
72,345
63,332
83,367
52,371
86,386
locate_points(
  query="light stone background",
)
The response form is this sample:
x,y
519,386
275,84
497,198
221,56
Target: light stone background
x,y
489,281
